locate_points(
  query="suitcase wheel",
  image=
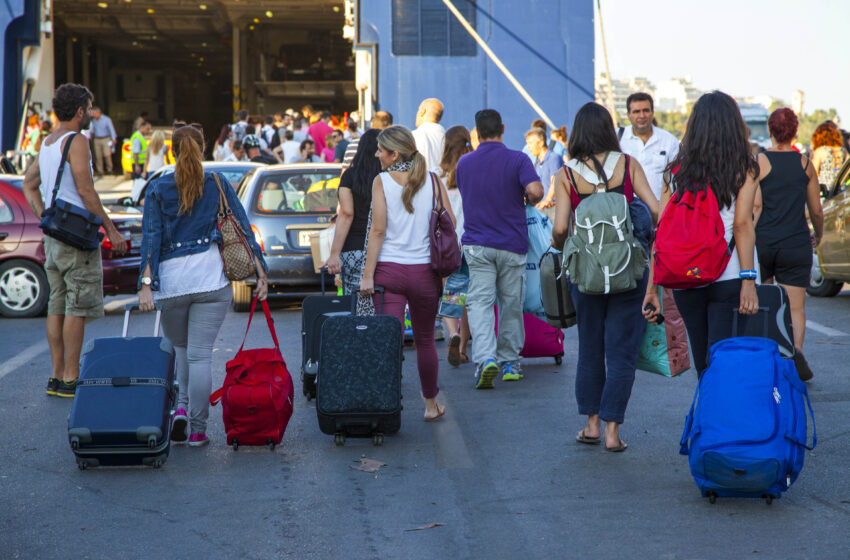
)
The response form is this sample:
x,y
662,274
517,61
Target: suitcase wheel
x,y
768,498
559,359
378,439
712,497
339,439
235,444
270,443
82,464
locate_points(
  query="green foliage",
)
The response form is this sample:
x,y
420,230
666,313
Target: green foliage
x,y
808,123
673,122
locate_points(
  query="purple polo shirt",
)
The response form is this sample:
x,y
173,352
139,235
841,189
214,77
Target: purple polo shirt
x,y
492,182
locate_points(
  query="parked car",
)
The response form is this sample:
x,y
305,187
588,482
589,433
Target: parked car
x,y
23,282
285,204
233,172
831,265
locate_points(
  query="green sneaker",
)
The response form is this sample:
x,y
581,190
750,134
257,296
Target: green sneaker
x,y
67,390
486,375
510,372
52,385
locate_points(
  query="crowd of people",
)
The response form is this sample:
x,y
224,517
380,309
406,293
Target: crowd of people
x,y
392,177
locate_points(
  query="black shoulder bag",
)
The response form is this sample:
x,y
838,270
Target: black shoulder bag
x,y
67,222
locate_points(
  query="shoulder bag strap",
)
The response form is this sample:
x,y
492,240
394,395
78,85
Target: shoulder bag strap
x,y
65,151
438,192
223,206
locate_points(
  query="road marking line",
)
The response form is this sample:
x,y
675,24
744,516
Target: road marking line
x,y
824,329
22,358
450,448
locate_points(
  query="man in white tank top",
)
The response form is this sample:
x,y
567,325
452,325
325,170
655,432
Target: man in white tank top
x,y
75,276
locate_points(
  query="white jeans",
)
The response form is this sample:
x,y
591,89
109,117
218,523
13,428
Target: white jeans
x,y
495,277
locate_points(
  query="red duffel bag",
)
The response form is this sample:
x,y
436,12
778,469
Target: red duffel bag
x,y
256,396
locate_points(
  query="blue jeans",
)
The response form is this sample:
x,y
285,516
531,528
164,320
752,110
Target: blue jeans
x,y
610,330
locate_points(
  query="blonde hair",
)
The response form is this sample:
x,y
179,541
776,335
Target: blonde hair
x,y
188,146
399,139
157,142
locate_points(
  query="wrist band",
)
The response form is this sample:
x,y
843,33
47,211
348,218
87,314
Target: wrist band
x,y
747,274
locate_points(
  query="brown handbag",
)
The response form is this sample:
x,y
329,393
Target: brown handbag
x,y
235,252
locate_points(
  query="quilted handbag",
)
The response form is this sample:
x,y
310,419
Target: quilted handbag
x,y
235,252
445,251
257,394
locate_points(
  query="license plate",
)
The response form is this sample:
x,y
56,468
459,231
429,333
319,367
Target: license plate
x,y
304,238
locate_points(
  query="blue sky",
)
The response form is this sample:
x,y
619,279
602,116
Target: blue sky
x,y
743,47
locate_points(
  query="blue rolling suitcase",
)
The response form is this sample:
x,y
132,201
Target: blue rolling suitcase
x,y
313,315
124,403
746,432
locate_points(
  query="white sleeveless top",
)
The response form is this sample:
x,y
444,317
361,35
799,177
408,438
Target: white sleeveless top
x,y
49,159
733,269
407,240
156,161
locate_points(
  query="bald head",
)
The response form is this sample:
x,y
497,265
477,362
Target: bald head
x,y
430,110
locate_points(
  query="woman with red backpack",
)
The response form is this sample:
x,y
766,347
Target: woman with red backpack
x,y
716,174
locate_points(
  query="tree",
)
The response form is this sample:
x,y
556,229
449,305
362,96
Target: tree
x,y
672,121
808,123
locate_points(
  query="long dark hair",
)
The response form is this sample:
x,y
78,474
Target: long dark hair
x,y
364,166
456,145
593,133
715,150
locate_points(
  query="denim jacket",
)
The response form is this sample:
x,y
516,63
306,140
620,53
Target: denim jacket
x,y
167,234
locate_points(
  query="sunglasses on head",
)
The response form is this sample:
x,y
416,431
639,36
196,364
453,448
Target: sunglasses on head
x,y
196,126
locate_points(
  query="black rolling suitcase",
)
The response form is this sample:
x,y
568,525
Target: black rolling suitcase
x,y
124,403
358,388
773,320
313,314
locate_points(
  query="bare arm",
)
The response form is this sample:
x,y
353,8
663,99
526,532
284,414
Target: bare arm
x,y
446,205
376,237
30,186
745,238
534,192
758,205
81,154
813,203
640,185
344,219
563,210
651,296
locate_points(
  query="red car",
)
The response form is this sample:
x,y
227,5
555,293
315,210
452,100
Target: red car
x,y
23,283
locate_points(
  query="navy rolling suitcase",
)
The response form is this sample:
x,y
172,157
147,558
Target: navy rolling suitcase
x,y
358,388
313,310
124,403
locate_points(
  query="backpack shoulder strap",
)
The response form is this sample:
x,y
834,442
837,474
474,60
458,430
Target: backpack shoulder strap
x,y
620,132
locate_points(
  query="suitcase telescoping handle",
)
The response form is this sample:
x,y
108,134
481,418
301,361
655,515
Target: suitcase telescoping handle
x,y
736,316
130,307
356,296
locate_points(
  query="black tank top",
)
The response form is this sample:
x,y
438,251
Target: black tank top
x,y
783,193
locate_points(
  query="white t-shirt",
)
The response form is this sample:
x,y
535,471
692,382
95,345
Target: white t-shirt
x,y
733,268
49,159
406,240
191,274
232,157
290,150
455,202
430,139
653,156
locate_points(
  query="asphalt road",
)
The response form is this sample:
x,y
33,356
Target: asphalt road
x,y
501,474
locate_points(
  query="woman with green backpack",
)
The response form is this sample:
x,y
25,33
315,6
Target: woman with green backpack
x,y
607,267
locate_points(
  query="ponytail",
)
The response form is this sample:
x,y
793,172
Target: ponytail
x,y
415,180
188,172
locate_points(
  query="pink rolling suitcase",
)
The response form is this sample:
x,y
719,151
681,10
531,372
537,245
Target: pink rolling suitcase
x,y
541,339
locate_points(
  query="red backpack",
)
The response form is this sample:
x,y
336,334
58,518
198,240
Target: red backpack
x,y
257,393
690,247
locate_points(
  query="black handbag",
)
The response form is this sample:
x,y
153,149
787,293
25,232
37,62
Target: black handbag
x,y
67,222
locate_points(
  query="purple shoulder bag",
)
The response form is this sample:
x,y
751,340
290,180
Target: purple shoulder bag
x,y
445,251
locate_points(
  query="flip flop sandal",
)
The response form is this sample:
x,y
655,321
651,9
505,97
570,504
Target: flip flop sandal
x,y
617,448
442,410
582,438
454,350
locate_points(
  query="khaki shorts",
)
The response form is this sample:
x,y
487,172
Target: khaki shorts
x,y
75,278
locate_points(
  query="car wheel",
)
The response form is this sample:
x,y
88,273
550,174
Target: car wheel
x,y
820,286
241,296
23,289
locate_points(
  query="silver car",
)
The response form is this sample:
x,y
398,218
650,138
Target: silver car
x,y
285,204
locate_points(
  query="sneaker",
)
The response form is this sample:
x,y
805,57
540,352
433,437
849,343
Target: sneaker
x,y
179,431
198,440
52,385
488,372
65,389
803,370
511,372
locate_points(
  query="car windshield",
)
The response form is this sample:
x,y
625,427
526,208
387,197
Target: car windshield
x,y
288,192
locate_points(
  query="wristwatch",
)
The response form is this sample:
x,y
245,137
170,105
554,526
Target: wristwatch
x,y
146,281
